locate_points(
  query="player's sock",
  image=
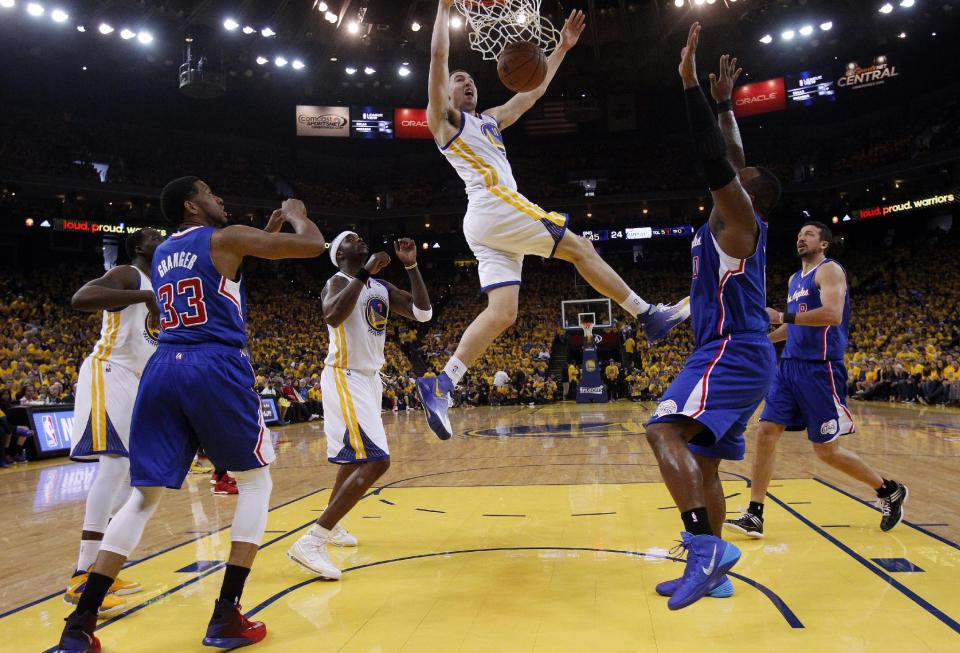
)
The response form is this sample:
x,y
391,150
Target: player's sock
x,y
233,579
93,594
88,554
888,488
634,304
696,521
454,369
755,509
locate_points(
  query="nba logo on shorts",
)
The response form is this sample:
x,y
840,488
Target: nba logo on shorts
x,y
50,432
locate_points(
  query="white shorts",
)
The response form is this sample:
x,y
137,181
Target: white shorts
x,y
351,416
501,226
106,393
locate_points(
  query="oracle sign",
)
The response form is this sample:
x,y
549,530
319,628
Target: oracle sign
x,y
411,123
759,97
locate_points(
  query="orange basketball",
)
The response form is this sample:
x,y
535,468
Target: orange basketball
x,y
522,66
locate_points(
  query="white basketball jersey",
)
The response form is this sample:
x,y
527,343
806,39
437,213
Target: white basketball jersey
x,y
478,155
357,344
125,338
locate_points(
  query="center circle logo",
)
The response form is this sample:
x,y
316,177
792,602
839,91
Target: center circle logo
x,y
375,311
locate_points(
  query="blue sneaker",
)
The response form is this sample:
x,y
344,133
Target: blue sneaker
x,y
723,589
659,319
435,396
77,636
708,559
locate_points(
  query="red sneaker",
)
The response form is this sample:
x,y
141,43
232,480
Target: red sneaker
x,y
224,486
228,628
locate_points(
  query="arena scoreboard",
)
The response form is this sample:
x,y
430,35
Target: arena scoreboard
x,y
810,87
371,122
637,233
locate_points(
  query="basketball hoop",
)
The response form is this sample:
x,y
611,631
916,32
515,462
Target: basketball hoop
x,y
495,23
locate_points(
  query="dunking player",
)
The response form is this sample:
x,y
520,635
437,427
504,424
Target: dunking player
x,y
501,226
355,308
197,390
106,390
702,416
810,388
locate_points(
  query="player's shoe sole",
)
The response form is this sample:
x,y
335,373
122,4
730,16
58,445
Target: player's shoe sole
x,y
723,589
745,527
436,412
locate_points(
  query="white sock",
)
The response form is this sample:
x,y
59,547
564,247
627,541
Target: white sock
x,y
88,554
455,369
634,305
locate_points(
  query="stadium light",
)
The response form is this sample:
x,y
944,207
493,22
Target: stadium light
x,y
145,37
766,39
105,29
369,71
404,71
906,4
352,27
886,9
81,28
827,26
415,26
788,35
126,34
59,16
8,4
322,7
350,70
230,24
331,17
297,64
262,60
280,62
902,35
678,3
710,2
806,30
266,32
35,9
456,23
698,2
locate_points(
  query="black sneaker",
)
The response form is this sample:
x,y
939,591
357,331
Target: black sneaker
x,y
747,524
892,507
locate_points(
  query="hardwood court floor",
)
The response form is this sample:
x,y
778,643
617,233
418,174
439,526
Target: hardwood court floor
x,y
541,529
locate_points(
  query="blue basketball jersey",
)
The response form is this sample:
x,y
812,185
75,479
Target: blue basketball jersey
x,y
728,295
197,304
826,343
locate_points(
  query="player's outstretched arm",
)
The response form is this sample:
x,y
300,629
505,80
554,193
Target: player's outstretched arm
x,y
440,115
118,288
732,221
416,305
832,283
340,295
721,88
519,104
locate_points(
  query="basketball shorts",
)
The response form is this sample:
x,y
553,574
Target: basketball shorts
x,y
102,410
810,395
351,416
720,386
501,226
194,396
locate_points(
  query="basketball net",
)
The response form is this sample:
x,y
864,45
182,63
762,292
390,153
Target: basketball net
x,y
587,333
495,23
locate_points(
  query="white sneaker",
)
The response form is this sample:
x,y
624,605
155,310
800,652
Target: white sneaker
x,y
339,536
310,551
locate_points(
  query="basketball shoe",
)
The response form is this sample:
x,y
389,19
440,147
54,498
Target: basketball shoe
x,y
112,603
708,559
228,628
746,524
77,636
722,590
340,536
659,319
891,505
435,396
225,485
310,551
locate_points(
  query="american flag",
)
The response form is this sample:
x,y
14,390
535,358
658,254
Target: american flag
x,y
550,117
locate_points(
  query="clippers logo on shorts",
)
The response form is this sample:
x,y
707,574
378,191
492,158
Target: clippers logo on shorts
x,y
376,313
829,427
668,407
492,132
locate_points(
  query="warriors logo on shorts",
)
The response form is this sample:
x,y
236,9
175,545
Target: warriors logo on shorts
x,y
376,313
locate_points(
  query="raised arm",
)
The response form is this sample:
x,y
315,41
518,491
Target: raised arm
x,y
231,244
832,283
732,220
519,104
442,120
339,296
415,306
721,88
118,288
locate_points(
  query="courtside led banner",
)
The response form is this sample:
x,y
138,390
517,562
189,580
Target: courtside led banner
x,y
411,123
759,97
323,121
877,73
903,207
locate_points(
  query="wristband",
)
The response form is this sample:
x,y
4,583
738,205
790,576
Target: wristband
x,y
410,267
789,318
723,107
422,315
363,274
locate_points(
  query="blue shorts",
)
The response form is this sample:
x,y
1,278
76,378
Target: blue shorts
x,y
195,396
720,386
810,395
